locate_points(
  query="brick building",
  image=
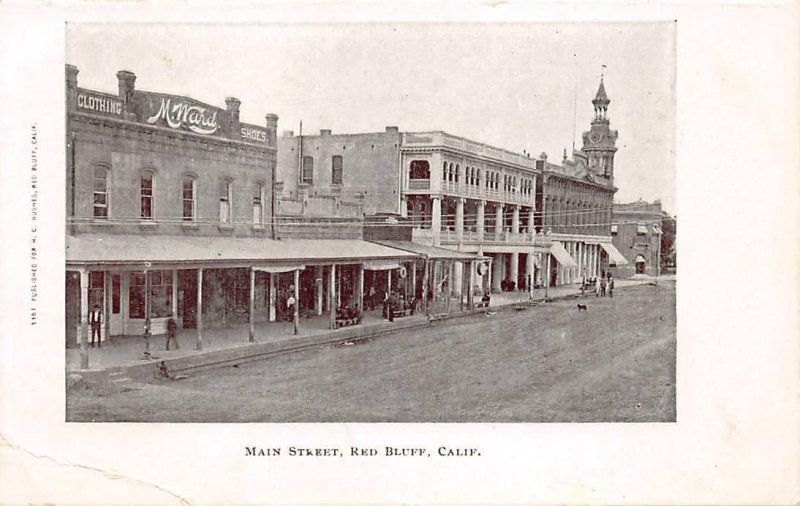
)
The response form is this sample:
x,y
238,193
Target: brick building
x,y
170,214
637,232
529,216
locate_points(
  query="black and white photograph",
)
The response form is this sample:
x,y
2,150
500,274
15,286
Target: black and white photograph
x,y
370,223
399,252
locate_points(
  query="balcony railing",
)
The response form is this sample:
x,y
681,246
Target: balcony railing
x,y
419,184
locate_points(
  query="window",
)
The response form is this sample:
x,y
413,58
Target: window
x,y
96,285
258,204
420,169
100,193
146,194
336,169
189,190
225,197
308,170
160,294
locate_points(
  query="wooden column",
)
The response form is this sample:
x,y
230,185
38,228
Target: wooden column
x,y
84,312
318,291
296,301
332,297
425,278
106,305
470,277
413,279
199,312
252,336
360,287
175,295
273,297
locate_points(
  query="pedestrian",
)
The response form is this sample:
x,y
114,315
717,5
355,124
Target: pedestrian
x,y
372,298
583,286
597,287
602,287
392,306
611,287
172,330
96,319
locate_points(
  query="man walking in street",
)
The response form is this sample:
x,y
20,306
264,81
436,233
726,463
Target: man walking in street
x,y
96,319
172,329
610,286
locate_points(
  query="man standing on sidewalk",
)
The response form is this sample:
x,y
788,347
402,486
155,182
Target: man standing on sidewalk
x,y
96,319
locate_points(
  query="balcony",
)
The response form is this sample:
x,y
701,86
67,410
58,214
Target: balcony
x,y
419,184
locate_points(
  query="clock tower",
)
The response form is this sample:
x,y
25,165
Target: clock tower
x,y
599,142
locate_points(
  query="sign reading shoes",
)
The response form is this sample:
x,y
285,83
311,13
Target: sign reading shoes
x,y
180,114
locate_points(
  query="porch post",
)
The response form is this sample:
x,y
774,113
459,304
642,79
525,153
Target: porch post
x,y
436,219
252,336
460,221
360,287
389,281
199,344
332,306
106,305
470,282
514,274
175,295
529,270
84,311
273,297
425,277
547,274
318,274
414,278
296,301
498,221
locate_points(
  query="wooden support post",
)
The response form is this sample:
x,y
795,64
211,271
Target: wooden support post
x,y
199,312
252,336
470,285
106,306
84,312
296,301
175,295
360,287
332,297
425,279
273,297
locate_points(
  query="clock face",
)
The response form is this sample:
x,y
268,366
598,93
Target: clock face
x,y
595,137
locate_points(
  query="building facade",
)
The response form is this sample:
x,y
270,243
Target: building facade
x,y
171,214
540,223
637,235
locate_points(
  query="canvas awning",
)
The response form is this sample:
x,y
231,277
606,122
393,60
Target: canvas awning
x,y
614,256
276,269
561,254
431,252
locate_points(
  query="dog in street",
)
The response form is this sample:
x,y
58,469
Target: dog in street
x,y
582,307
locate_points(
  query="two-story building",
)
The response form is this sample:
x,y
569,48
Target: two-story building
x,y
637,235
540,223
171,214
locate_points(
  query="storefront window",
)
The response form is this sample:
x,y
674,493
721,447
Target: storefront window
x,y
160,294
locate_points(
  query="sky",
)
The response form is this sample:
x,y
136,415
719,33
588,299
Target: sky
x,y
523,86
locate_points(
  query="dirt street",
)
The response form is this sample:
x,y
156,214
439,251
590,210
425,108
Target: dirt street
x,y
614,362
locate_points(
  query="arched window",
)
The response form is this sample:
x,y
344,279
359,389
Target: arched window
x,y
225,201
146,195
444,171
458,172
189,187
336,169
308,170
419,169
100,192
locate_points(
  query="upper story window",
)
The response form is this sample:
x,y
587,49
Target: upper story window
x,y
308,170
258,204
419,169
336,169
146,196
189,185
225,198
100,187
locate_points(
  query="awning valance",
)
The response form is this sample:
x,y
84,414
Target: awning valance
x,y
381,265
561,254
614,256
276,269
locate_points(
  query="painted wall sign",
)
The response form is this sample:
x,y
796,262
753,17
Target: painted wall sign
x,y
98,103
182,115
254,134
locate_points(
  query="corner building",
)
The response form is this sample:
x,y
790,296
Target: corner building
x,y
637,235
540,223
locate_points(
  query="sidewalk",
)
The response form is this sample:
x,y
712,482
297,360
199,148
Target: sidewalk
x,y
231,345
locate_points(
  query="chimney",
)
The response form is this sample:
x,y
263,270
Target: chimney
x,y
543,156
272,129
126,81
233,113
71,74
324,132
288,133
392,130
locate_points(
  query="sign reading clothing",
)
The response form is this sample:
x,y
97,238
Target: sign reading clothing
x,y
99,103
182,115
